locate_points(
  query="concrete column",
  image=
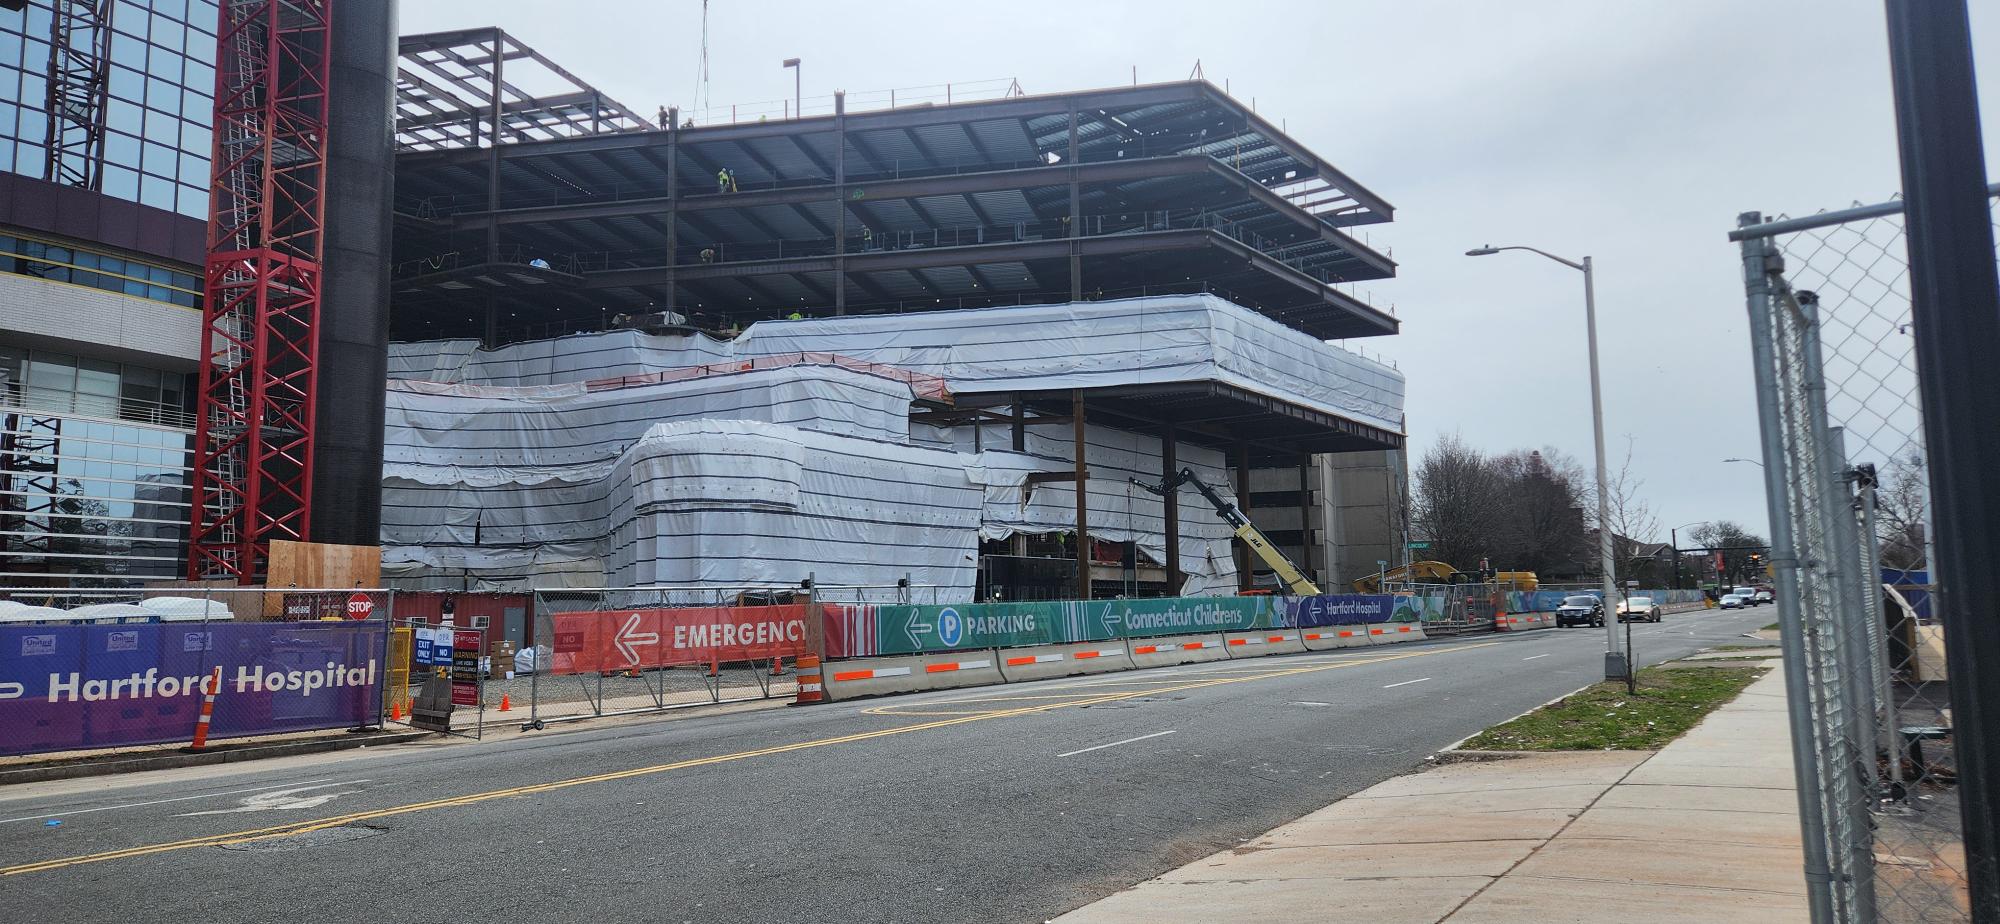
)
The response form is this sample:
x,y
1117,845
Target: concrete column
x,y
1306,518
354,311
1075,216
673,208
1243,505
1170,467
840,201
1082,498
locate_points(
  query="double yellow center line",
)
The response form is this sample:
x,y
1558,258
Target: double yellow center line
x,y
303,827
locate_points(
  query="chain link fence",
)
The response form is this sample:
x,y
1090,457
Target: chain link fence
x,y
1846,477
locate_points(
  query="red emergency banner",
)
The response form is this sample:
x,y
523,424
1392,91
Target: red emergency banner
x,y
589,643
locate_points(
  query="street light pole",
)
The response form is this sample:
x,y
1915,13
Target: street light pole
x,y
1616,663
798,110
1674,539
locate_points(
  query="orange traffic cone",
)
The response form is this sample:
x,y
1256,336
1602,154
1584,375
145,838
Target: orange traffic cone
x,y
395,711
505,703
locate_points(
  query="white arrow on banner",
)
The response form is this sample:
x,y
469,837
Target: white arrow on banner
x,y
914,630
1111,620
627,638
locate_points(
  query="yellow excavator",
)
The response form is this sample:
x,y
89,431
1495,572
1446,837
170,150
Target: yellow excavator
x,y
1295,583
1437,572
1423,572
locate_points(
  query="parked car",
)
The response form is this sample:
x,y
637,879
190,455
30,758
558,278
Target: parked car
x,y
1732,602
1761,597
1580,610
1638,609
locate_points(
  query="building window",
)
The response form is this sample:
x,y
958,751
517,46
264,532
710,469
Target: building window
x,y
27,256
62,383
160,84
82,496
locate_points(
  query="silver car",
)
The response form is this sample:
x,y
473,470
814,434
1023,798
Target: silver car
x,y
1638,609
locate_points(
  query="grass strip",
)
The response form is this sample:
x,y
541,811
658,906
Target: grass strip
x,y
1606,718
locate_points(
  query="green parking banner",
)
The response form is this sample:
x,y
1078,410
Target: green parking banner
x,y
910,629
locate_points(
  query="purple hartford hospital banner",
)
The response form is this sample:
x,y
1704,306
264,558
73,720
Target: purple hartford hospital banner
x,y
93,686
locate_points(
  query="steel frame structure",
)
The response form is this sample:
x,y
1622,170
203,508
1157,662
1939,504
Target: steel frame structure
x,y
255,414
79,78
453,91
1169,188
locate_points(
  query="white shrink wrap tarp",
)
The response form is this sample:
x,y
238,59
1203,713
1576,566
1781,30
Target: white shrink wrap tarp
x,y
506,470
1134,341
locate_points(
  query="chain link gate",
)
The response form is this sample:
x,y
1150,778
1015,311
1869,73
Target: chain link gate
x,y
1847,483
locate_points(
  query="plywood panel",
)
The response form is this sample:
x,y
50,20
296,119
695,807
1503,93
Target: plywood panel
x,y
324,565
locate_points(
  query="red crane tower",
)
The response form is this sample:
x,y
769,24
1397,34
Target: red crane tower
x,y
267,193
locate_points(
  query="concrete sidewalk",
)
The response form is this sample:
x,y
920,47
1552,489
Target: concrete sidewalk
x,y
1705,829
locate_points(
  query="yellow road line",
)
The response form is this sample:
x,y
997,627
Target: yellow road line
x,y
303,827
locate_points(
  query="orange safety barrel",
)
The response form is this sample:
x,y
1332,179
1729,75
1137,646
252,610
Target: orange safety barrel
x,y
810,690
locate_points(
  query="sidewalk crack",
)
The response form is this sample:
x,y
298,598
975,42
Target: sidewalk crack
x,y
1455,909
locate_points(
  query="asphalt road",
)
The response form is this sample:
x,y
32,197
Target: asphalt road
x,y
1012,803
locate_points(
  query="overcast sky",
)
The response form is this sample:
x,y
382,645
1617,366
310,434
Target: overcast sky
x,y
1634,132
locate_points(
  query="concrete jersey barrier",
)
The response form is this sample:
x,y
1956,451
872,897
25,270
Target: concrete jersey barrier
x,y
881,676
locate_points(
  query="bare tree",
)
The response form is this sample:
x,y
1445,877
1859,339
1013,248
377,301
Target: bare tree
x,y
1544,494
1632,523
1459,503
1735,544
1902,506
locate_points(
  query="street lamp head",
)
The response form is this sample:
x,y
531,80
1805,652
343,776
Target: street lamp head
x,y
1482,251
791,62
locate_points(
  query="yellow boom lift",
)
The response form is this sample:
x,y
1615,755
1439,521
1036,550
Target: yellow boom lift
x,y
1288,573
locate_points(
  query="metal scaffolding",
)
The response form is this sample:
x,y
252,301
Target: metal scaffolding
x,y
254,426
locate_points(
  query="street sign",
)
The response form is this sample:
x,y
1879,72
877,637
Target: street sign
x,y
466,647
1419,546
360,606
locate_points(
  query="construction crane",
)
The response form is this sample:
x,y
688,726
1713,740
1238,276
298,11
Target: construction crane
x,y
1288,573
254,423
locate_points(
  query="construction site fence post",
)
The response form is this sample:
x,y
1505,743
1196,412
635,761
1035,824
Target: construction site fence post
x,y
1850,479
1760,261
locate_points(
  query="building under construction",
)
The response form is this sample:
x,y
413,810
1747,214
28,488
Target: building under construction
x,y
864,346
944,294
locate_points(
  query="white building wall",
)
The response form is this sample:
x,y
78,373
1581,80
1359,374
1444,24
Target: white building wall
x,y
93,322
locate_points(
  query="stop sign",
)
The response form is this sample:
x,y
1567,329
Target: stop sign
x,y
360,606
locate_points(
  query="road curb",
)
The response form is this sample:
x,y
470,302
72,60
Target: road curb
x,y
169,760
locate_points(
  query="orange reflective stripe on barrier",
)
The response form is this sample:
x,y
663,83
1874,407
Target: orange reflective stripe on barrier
x,y
1034,659
950,666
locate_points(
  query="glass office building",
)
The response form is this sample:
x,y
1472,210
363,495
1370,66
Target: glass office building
x,y
103,205
159,92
